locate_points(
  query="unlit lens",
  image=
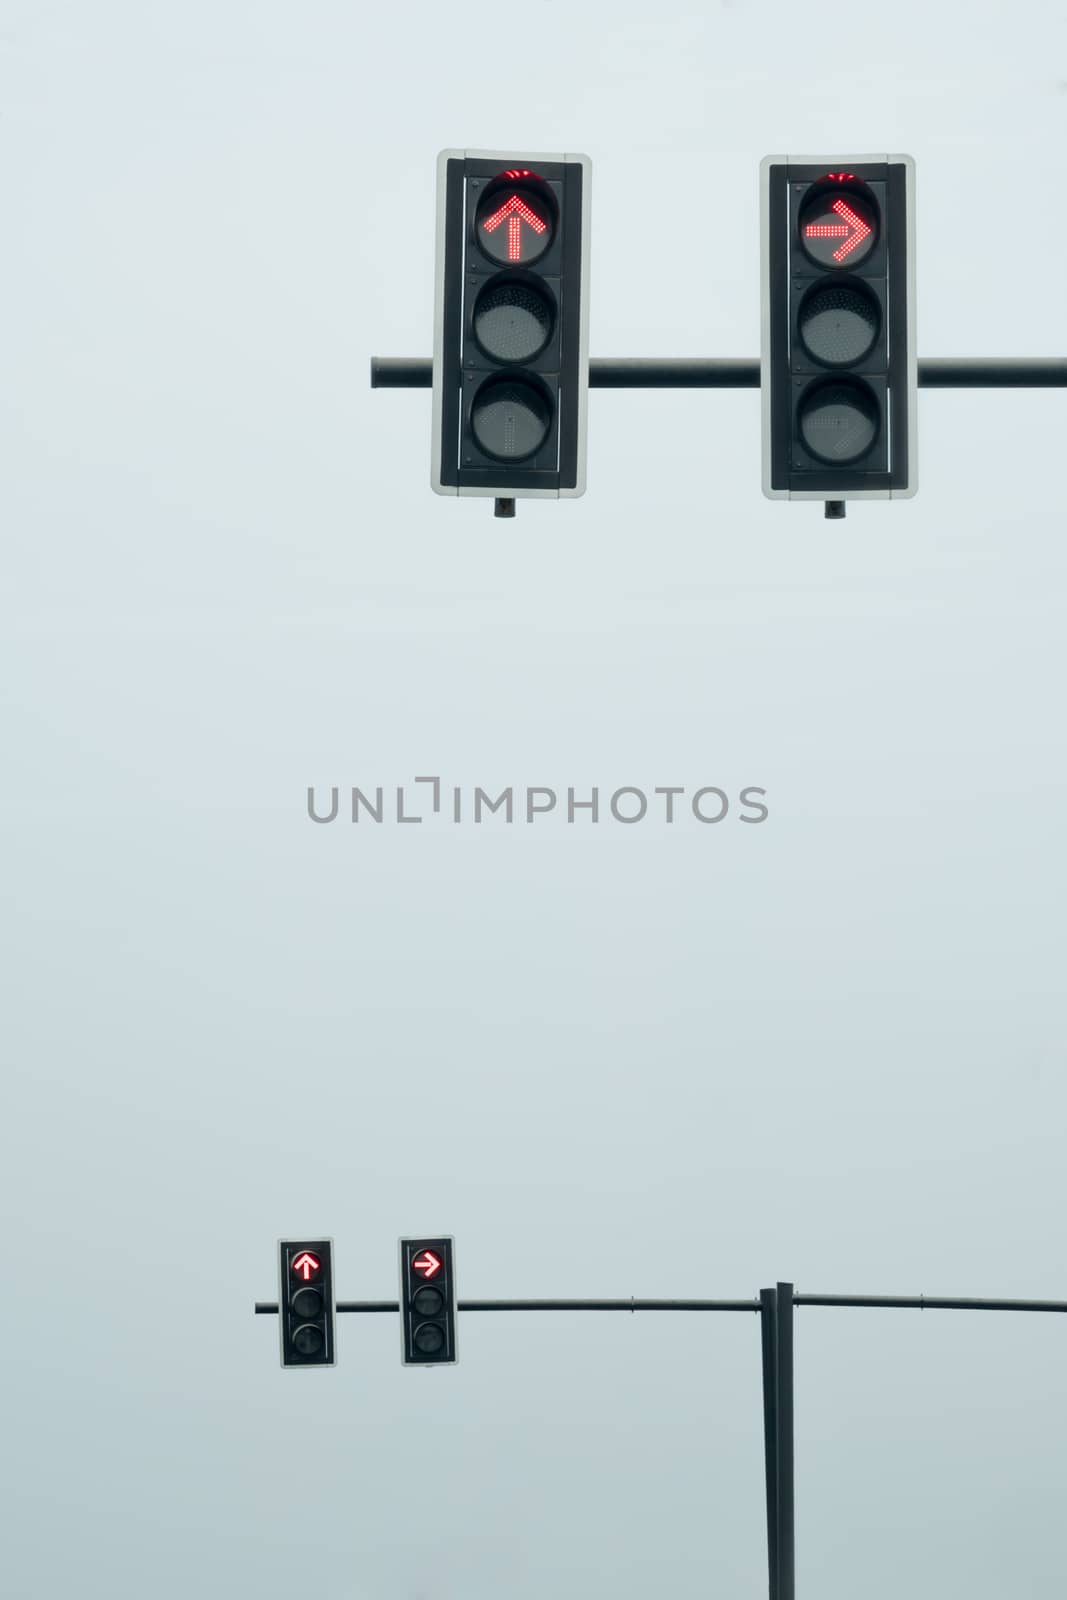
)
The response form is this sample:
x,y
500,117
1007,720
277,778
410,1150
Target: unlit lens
x,y
307,1340
838,421
839,324
307,1303
512,321
510,420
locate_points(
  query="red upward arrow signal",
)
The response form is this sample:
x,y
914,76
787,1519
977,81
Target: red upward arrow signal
x,y
305,1265
427,1264
852,229
514,212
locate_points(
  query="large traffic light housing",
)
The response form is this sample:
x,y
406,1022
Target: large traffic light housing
x,y
306,1309
839,369
511,348
427,1302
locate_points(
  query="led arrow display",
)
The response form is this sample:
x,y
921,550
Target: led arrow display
x,y
838,230
853,230
305,1265
514,212
427,1265
516,225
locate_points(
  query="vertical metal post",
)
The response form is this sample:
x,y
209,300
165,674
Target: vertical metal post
x,y
783,1367
768,1306
776,1319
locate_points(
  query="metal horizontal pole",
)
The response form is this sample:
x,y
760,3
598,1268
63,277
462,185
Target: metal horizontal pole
x,y
915,1302
270,1307
887,1301
993,372
673,372
681,372
927,1302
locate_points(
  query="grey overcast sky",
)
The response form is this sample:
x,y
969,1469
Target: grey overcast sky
x,y
650,1060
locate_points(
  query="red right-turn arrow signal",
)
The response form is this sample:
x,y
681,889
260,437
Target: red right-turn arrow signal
x,y
852,230
427,1265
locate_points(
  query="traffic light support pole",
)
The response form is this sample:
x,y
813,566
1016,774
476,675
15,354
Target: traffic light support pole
x,y
768,1310
906,1302
776,1308
679,372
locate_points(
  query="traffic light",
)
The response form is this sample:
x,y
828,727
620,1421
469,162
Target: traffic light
x,y
306,1310
511,347
427,1302
838,366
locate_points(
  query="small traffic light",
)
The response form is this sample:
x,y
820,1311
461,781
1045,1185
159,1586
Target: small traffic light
x,y
838,366
306,1311
427,1302
511,348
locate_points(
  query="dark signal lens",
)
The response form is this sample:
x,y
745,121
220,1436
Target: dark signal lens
x,y
838,323
515,222
510,419
838,229
512,320
307,1303
838,421
307,1341
428,1302
429,1338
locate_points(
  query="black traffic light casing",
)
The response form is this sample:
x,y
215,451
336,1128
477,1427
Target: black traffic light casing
x,y
838,368
511,346
306,1307
428,1302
